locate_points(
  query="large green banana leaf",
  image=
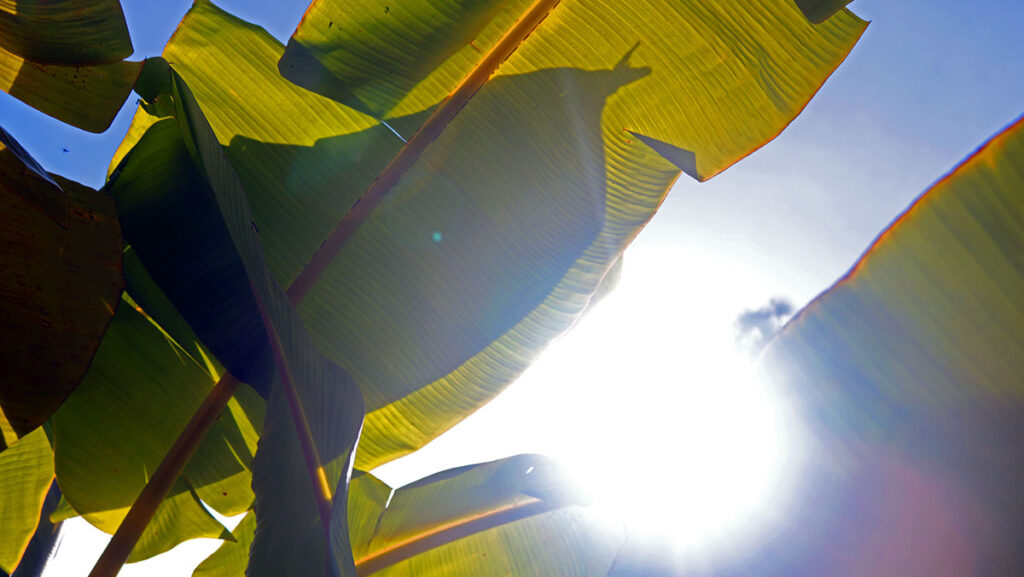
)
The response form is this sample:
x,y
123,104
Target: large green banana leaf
x,y
65,58
512,517
102,470
910,374
179,195
65,32
61,263
449,289
111,433
26,471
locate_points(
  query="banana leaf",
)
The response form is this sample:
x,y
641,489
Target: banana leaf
x,y
178,194
102,470
472,264
516,516
65,58
910,375
27,471
61,279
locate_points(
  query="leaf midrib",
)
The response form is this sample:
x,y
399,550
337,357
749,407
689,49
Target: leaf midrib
x,y
449,532
414,147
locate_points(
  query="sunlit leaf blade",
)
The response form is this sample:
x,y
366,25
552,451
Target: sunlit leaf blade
x,y
231,558
87,97
745,70
457,508
910,373
371,53
110,435
68,32
64,58
818,11
61,276
472,265
45,539
180,517
516,516
26,470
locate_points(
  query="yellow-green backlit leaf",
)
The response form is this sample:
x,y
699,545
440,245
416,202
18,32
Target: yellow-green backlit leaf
x,y
84,96
232,557
910,372
473,264
65,32
369,54
515,516
142,380
64,58
26,470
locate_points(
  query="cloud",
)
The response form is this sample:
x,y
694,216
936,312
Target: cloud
x,y
755,327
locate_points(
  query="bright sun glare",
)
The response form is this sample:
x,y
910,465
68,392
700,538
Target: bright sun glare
x,y
648,402
651,406
675,433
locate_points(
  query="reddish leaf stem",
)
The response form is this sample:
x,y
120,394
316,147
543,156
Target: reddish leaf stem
x,y
145,506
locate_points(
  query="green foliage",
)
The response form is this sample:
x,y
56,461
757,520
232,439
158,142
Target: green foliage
x,y
377,227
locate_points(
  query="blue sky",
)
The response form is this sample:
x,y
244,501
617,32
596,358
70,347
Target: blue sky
x,y
928,83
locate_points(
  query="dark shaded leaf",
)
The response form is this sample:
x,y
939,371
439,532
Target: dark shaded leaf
x,y
818,11
315,412
61,263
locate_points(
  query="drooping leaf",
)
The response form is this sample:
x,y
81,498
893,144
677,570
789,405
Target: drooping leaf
x,y
222,313
44,540
818,11
67,32
30,163
472,264
110,435
910,374
60,281
26,471
379,50
188,197
516,516
232,557
64,58
87,97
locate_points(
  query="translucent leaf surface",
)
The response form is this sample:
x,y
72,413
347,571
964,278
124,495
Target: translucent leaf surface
x,y
452,285
910,373
64,58
516,516
26,471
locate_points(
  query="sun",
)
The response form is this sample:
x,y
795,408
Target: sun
x,y
652,408
665,422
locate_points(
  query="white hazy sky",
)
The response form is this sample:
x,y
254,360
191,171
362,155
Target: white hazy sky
x,y
929,82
